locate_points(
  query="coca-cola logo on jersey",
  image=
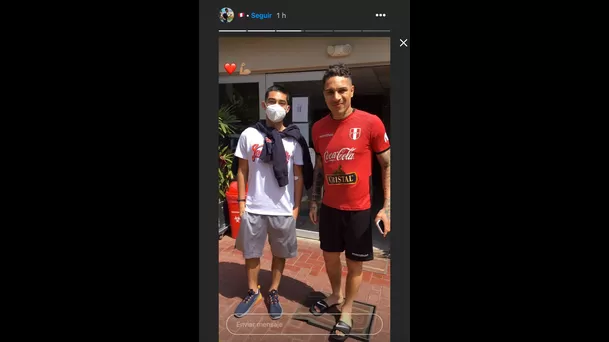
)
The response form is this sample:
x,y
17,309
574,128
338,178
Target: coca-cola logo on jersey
x,y
346,153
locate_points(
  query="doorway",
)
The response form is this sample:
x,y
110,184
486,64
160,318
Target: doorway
x,y
306,99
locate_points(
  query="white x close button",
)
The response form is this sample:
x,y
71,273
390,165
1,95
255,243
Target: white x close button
x,y
403,42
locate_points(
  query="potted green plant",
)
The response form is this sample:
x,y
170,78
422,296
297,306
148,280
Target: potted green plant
x,y
226,122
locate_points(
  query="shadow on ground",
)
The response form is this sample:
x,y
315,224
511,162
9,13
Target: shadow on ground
x,y
233,283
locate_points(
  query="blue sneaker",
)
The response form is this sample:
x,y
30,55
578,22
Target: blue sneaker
x,y
275,309
248,302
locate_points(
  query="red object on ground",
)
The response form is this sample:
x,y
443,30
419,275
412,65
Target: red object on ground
x,y
232,195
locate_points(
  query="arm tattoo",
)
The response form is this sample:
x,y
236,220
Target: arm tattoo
x,y
387,208
386,176
387,191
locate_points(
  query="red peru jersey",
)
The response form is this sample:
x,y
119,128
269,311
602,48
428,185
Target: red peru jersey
x,y
346,148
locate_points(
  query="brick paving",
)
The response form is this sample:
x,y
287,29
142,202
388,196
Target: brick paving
x,y
302,275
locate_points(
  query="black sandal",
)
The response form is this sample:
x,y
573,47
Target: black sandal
x,y
342,327
322,306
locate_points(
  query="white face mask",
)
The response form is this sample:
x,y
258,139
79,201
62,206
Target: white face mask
x,y
275,112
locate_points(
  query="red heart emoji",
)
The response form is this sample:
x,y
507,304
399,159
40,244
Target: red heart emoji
x,y
230,68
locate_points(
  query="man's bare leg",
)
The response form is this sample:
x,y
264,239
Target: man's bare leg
x,y
253,269
276,271
354,280
335,272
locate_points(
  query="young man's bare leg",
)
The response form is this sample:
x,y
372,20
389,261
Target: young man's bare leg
x,y
253,269
282,238
276,271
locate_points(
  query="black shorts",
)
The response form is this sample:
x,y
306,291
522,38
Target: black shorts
x,y
349,231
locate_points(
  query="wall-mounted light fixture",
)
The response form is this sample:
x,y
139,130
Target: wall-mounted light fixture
x,y
339,50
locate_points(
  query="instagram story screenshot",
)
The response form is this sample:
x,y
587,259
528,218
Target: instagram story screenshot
x,y
312,141
241,171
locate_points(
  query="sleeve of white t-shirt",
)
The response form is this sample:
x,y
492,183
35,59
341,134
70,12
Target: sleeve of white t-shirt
x,y
298,154
241,150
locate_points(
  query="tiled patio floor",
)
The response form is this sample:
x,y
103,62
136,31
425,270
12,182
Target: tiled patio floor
x,y
302,275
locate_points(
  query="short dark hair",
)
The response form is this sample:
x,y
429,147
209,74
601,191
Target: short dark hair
x,y
339,69
279,89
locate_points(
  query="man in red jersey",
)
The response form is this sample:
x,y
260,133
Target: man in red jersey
x,y
345,142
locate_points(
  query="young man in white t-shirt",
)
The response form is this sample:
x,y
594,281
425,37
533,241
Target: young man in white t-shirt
x,y
274,177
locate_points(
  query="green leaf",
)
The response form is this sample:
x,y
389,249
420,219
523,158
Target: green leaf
x,y
226,125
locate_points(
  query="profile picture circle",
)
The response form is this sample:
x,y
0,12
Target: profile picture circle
x,y
226,15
